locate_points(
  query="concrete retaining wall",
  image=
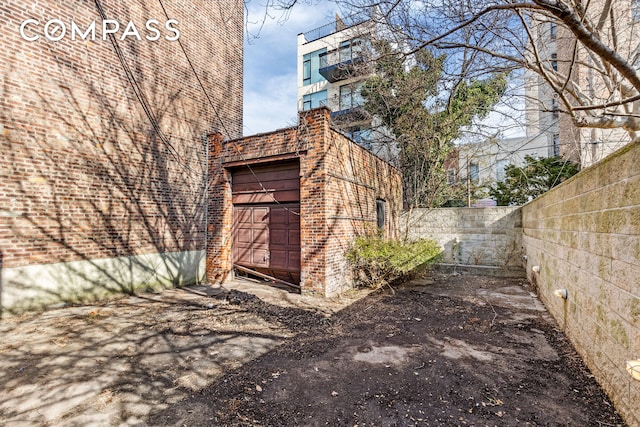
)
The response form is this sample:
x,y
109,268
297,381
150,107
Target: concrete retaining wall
x,y
470,236
35,287
585,237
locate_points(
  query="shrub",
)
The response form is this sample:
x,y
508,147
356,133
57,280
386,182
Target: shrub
x,y
376,262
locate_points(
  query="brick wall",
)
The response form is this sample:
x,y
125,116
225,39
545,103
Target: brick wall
x,y
339,185
585,237
83,174
470,236
355,181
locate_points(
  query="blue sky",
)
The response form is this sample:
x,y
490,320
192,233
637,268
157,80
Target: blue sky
x,y
270,63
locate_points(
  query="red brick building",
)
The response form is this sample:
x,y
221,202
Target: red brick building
x,y
289,203
103,143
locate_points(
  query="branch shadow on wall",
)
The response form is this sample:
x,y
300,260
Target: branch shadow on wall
x,y
1,263
102,203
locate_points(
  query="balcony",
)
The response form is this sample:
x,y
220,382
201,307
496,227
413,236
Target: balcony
x,y
338,25
340,70
350,116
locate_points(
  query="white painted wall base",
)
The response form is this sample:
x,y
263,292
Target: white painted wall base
x,y
37,286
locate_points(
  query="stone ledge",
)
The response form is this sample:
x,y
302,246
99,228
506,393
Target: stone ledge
x,y
481,270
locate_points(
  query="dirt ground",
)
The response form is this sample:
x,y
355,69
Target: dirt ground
x,y
444,351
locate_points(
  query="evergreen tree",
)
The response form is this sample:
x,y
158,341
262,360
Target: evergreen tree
x,y
426,114
524,183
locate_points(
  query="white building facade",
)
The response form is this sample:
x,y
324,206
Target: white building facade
x,y
334,61
569,62
485,162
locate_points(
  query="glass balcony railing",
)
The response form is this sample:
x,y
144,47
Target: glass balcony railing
x,y
354,114
342,62
338,25
341,70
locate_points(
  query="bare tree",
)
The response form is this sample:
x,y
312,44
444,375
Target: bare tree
x,y
585,52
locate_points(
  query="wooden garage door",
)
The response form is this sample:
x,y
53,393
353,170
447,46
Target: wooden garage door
x,y
251,236
266,233
284,240
267,239
278,183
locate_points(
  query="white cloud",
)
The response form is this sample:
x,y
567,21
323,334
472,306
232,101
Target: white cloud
x,y
271,106
270,94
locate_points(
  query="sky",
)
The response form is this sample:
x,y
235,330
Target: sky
x,y
270,86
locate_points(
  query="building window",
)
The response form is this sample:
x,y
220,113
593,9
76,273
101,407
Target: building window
x,y
350,96
474,172
349,50
380,213
501,166
314,100
360,135
306,72
554,61
556,144
311,67
452,177
553,31
554,108
344,53
635,10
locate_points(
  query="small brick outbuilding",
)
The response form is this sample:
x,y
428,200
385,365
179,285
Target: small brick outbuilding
x,y
289,203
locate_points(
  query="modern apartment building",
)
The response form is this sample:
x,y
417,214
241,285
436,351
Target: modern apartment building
x,y
333,63
587,82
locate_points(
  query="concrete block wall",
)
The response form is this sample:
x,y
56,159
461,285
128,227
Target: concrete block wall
x,y
470,236
84,175
339,185
585,237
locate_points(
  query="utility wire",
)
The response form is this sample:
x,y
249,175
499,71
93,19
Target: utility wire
x,y
222,124
152,119
206,94
134,85
142,99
